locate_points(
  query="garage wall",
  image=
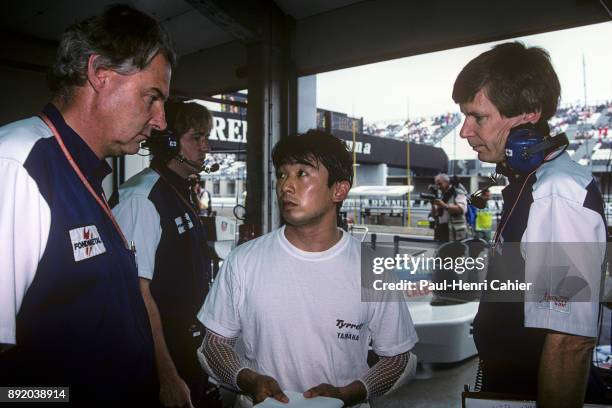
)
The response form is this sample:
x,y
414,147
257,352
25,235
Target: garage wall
x,y
24,93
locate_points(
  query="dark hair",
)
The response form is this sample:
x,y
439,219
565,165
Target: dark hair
x,y
313,148
180,116
125,39
516,79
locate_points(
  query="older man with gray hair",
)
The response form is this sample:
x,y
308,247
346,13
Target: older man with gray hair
x,y
448,210
71,313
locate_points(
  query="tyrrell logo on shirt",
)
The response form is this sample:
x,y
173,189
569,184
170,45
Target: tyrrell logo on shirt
x,y
183,223
86,242
341,324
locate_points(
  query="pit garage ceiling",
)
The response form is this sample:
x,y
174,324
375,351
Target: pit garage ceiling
x,y
213,36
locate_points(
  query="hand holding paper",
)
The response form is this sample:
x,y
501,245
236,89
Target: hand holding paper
x,y
350,394
297,400
260,386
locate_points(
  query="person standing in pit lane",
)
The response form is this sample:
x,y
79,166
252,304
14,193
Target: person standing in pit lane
x,y
71,313
540,348
155,211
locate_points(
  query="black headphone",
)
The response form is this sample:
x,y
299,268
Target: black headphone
x,y
165,144
162,143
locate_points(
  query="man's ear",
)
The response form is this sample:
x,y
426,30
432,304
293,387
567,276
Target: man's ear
x,y
532,117
340,190
97,77
180,148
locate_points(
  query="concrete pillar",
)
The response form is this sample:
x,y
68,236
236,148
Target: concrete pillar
x,y
264,121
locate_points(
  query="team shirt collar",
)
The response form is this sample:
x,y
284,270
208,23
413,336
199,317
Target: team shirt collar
x,y
93,168
181,184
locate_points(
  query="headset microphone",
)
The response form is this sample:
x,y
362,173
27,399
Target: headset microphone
x,y
197,166
476,199
212,169
165,144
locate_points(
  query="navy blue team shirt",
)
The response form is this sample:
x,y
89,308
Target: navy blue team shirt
x,y
560,202
82,321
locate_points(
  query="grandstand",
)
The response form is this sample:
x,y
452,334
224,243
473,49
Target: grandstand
x,y
577,122
602,154
586,127
423,130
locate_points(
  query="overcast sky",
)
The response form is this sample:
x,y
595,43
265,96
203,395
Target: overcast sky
x,y
422,85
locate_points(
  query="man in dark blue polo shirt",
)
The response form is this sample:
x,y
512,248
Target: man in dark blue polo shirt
x,y
537,342
156,210
71,313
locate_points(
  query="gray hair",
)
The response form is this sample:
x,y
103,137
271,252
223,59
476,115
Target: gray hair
x,y
443,177
125,40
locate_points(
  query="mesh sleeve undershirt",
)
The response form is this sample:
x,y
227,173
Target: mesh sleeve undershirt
x,y
382,375
219,354
225,364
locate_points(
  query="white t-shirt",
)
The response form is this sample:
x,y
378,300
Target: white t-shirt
x,y
300,314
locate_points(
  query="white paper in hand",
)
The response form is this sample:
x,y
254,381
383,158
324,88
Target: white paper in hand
x,y
297,400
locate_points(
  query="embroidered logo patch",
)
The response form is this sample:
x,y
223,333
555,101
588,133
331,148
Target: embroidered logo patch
x,y
555,303
86,242
183,223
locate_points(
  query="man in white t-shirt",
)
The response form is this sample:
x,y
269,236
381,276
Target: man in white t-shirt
x,y
293,296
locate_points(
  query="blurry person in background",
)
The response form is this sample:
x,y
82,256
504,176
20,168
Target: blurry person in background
x,y
484,218
449,210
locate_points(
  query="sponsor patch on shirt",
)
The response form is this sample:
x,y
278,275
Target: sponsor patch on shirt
x,y
183,223
86,242
555,303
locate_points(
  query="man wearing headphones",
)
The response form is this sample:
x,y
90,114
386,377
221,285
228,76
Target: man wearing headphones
x,y
536,343
154,210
